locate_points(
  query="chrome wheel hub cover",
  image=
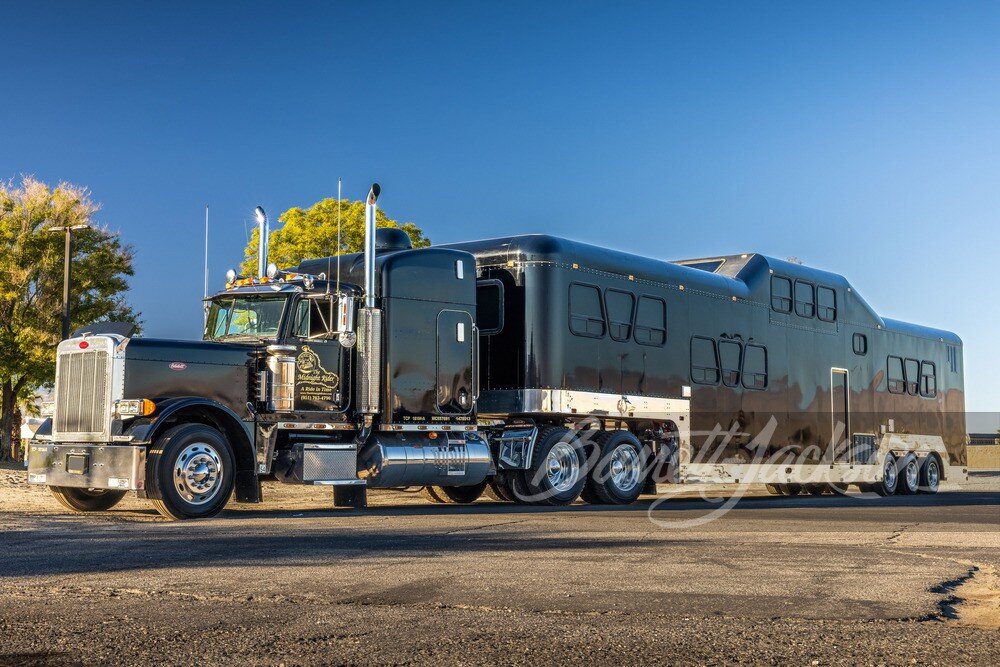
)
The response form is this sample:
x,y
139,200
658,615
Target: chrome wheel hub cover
x,y
933,474
562,467
912,474
624,468
198,473
890,472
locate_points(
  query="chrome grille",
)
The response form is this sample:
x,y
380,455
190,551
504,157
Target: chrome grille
x,y
82,392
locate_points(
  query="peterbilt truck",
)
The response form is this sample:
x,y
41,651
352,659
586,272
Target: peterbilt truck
x,y
531,368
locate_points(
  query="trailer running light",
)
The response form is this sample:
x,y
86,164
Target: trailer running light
x,y
135,407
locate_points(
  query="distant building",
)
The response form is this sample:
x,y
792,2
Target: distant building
x,y
984,438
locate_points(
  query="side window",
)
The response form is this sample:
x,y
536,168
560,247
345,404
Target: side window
x,y
621,309
704,361
805,299
911,371
860,344
928,379
755,367
302,319
894,376
826,304
731,355
781,294
651,321
489,306
586,315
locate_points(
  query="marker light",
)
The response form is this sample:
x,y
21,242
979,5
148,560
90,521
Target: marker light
x,y
230,276
135,407
84,345
272,271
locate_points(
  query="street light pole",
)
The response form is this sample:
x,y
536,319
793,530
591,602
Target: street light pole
x,y
67,273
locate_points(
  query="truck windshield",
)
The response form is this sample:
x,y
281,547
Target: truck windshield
x,y
244,317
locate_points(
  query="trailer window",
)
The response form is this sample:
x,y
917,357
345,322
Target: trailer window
x,y
911,370
731,355
860,344
704,361
651,321
586,314
826,304
928,379
895,382
805,299
755,367
621,310
781,294
489,306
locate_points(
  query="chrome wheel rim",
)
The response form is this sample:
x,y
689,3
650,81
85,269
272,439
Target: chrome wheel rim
x,y
624,467
912,474
933,474
198,473
562,467
889,473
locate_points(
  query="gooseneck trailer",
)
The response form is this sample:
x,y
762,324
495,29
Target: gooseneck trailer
x,y
531,368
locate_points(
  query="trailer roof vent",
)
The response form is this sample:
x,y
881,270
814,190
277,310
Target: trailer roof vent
x,y
391,238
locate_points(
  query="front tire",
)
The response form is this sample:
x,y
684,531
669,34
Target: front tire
x,y
86,500
192,472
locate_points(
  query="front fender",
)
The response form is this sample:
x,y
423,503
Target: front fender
x,y
145,430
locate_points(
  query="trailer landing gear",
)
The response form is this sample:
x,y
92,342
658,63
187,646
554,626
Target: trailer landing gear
x,y
350,496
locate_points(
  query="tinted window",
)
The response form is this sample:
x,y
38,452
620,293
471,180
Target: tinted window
x,y
704,361
911,371
586,317
860,344
826,304
621,309
651,321
928,380
731,355
781,294
755,367
489,306
805,299
894,376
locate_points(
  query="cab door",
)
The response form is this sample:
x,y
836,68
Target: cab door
x,y
320,362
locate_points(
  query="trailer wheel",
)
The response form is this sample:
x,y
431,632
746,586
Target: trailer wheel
x,y
791,489
774,489
909,476
617,475
556,475
192,472
86,500
815,489
890,477
930,474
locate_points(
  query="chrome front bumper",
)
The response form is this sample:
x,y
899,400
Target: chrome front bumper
x,y
119,467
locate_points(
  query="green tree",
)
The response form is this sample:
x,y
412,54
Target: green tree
x,y
31,274
311,232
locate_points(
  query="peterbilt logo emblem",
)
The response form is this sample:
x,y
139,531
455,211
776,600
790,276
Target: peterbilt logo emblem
x,y
178,366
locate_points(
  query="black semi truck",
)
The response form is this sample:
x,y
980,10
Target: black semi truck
x,y
530,368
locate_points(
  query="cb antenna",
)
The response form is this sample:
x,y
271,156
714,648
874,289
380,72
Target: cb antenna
x,y
338,245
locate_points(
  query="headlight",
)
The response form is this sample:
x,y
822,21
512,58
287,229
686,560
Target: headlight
x,y
48,408
134,407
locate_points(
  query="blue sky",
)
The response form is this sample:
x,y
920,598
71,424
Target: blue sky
x,y
863,138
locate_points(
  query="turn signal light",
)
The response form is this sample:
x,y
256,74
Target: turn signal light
x,y
135,407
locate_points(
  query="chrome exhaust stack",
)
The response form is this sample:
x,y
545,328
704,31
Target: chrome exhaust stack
x,y
263,233
370,322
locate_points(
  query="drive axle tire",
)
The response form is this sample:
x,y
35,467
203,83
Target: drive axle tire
x,y
930,474
191,472
430,493
556,475
86,500
495,490
617,477
909,476
459,495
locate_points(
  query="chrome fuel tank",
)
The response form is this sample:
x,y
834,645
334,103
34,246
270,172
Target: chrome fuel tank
x,y
417,459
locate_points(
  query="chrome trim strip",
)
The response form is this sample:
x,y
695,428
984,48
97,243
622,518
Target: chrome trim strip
x,y
395,428
569,402
316,426
339,482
